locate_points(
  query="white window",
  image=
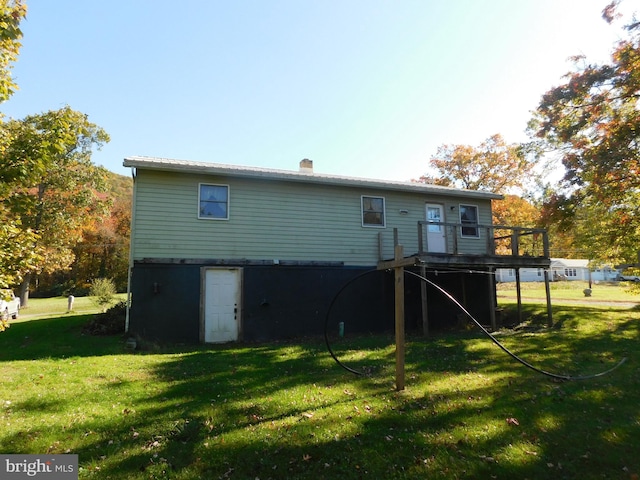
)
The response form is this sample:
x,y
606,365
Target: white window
x,y
213,202
373,211
469,221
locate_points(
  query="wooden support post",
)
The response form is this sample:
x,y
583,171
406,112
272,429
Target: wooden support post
x,y
492,300
519,295
399,311
425,305
548,292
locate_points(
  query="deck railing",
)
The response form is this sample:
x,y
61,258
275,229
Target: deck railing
x,y
493,240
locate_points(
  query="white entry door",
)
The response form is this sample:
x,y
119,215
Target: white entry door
x,y
221,305
436,240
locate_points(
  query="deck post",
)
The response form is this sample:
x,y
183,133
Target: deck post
x,y
519,295
492,299
423,298
547,289
399,311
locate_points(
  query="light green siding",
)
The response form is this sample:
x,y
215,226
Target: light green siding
x,y
278,219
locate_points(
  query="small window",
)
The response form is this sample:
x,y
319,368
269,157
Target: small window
x,y
214,202
469,221
373,212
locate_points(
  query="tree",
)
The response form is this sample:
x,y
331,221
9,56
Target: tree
x,y
11,14
15,255
54,206
592,121
104,250
492,166
515,211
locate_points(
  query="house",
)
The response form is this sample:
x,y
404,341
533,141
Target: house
x,y
504,275
570,269
225,252
561,269
605,273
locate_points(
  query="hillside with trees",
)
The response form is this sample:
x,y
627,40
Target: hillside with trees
x,y
103,250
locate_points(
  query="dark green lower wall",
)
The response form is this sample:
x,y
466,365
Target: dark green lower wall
x,y
284,302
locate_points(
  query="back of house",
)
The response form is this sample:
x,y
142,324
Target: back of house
x,y
225,252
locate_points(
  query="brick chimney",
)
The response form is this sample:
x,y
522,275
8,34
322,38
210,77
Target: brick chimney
x,y
306,166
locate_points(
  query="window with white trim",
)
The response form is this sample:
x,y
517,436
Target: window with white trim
x,y
373,211
213,202
469,221
570,272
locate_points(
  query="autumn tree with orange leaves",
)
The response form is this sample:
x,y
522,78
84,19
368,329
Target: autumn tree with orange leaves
x,y
592,122
50,186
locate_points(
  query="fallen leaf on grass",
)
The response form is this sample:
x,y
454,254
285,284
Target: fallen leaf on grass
x,y
513,421
487,459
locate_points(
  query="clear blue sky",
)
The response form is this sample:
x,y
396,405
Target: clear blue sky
x,y
362,87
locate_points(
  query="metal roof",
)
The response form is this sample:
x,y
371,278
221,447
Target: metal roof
x,y
187,166
569,263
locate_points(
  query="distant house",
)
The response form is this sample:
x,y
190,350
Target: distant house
x,y
605,273
225,252
561,269
504,275
569,269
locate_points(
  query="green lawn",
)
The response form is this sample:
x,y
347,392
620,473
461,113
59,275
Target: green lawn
x,y
53,307
571,291
288,411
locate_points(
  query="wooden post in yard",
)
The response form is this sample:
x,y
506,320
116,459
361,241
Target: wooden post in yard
x,y
399,300
547,289
492,300
519,295
424,302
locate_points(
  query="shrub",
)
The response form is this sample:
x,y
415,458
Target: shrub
x,y
102,292
111,322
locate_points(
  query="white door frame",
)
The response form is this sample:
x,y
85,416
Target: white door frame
x,y
234,309
436,234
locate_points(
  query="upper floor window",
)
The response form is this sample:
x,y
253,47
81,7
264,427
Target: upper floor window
x,y
469,221
214,202
373,211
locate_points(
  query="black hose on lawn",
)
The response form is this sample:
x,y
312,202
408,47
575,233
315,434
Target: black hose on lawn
x,y
466,312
